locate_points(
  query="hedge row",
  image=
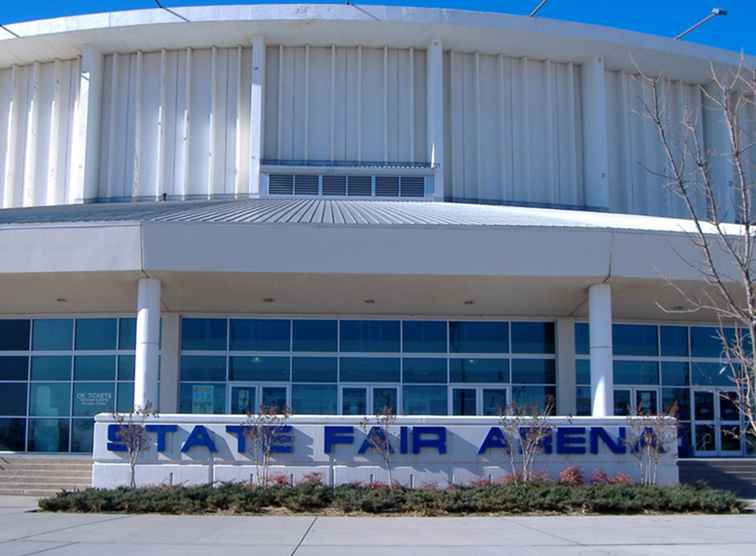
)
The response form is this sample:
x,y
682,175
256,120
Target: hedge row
x,y
378,499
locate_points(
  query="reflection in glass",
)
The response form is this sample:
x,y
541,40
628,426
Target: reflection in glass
x,y
370,336
13,398
582,371
82,435
534,398
533,337
729,436
646,402
52,334
127,333
203,334
479,370
314,399
202,398
636,372
705,438
315,369
622,405
94,367
494,401
728,409
255,367
54,367
534,371
315,335
260,334
384,399
582,343
125,400
50,399
584,401
703,406
464,402
634,339
203,367
370,369
243,400
274,398
12,434
679,397
419,370
15,367
14,334
711,374
674,341
424,336
354,401
424,400
675,373
96,333
48,435
478,337
91,398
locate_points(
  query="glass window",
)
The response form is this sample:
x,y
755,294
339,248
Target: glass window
x,y
711,374
584,402
634,339
385,400
315,335
424,336
53,367
370,336
424,400
636,372
679,397
127,333
314,399
582,340
674,341
203,367
675,373
52,334
82,435
370,369
14,335
464,401
260,334
537,398
14,367
478,337
533,337
91,398
125,367
202,398
50,399
315,369
274,398
13,398
354,401
622,403
705,341
125,400
48,435
478,370
728,406
423,370
96,333
12,435
203,334
534,371
583,371
255,368
94,367
494,402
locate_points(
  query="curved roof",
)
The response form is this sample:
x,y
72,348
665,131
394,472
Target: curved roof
x,y
367,25
333,212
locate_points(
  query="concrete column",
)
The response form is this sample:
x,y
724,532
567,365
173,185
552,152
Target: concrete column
x,y
169,363
566,380
435,124
86,138
256,114
595,151
147,344
600,324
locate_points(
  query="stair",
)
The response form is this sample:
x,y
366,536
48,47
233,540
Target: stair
x,y
737,475
43,475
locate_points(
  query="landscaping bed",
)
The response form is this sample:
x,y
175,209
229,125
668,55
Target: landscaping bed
x,y
315,497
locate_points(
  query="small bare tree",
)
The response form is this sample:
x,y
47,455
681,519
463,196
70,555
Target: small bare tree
x,y
133,435
377,430
261,431
725,250
526,428
649,436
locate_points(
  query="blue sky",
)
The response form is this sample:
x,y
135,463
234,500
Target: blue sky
x,y
736,31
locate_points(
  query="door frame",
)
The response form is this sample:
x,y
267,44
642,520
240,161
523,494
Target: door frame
x,y
478,395
716,423
258,386
369,387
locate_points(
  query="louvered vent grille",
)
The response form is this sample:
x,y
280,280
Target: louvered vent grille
x,y
412,186
334,185
360,185
281,184
387,186
306,184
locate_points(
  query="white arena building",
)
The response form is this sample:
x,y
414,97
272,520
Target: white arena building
x,y
340,208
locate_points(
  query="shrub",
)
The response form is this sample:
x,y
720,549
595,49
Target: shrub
x,y
309,496
571,476
599,477
621,479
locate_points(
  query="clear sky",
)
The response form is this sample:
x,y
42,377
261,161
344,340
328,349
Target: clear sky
x,y
736,31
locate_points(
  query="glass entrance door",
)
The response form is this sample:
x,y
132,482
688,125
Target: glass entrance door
x,y
369,400
250,398
636,401
491,401
716,423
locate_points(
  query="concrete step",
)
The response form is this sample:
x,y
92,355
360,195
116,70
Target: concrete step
x,y
44,475
54,481
38,492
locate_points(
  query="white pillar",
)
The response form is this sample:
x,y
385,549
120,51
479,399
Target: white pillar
x,y
256,114
147,344
435,124
600,324
595,151
169,363
566,380
86,141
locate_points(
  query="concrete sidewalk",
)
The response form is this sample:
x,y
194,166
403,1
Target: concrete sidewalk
x,y
24,532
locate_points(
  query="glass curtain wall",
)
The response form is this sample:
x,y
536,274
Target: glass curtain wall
x,y
359,367
657,367
56,374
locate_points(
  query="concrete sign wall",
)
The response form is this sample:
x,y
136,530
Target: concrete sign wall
x,y
197,449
